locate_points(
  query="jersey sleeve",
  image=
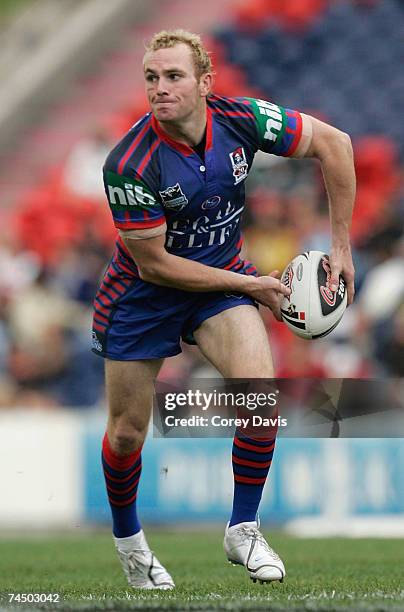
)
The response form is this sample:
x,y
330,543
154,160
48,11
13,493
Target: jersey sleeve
x,y
279,129
133,205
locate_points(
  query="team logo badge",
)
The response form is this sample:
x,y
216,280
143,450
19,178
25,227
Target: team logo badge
x,y
96,344
239,164
173,197
329,298
211,203
287,278
295,318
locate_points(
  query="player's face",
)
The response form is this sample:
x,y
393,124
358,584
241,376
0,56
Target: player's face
x,y
172,87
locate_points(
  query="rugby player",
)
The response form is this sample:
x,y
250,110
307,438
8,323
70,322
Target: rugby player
x,y
175,186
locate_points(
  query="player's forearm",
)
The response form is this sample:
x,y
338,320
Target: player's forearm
x,y
188,275
339,177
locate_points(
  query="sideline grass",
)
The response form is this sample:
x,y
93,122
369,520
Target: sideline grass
x,y
324,574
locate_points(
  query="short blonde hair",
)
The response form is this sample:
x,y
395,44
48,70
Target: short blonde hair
x,y
169,38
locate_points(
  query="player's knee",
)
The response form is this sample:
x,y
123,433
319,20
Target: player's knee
x,y
127,440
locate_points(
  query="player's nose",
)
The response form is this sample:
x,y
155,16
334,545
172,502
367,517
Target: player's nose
x,y
162,87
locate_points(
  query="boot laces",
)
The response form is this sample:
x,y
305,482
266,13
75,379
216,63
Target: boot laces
x,y
156,567
253,533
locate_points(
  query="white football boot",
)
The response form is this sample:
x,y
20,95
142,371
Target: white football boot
x,y
142,569
245,545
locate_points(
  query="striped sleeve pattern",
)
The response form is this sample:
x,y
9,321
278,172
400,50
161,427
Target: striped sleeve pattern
x,y
133,202
291,135
278,129
237,113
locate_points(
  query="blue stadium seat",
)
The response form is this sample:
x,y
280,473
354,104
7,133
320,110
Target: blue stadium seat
x,y
263,76
338,18
245,51
270,42
346,65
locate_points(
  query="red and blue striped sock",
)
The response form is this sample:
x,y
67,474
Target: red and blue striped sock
x,y
122,474
251,461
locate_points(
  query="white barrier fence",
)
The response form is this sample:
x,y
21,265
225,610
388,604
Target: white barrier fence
x,y
51,477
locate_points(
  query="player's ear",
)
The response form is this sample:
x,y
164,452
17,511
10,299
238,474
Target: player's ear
x,y
205,84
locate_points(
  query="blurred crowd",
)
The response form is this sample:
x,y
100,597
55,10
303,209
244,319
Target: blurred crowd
x,y
59,242
51,257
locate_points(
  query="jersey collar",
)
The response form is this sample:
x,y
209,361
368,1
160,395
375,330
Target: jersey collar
x,y
180,146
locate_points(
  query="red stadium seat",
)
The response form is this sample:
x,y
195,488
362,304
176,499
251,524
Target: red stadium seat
x,y
298,14
226,79
377,173
293,14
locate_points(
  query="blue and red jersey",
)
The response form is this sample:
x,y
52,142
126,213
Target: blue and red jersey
x,y
151,179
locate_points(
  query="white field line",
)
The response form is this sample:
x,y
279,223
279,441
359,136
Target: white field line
x,y
323,595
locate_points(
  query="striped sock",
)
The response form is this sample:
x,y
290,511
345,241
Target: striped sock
x,y
122,474
251,461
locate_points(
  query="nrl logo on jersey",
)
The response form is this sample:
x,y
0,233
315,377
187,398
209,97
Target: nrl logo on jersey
x,y
173,197
239,164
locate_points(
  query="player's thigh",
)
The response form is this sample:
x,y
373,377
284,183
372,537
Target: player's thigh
x,y
129,388
236,342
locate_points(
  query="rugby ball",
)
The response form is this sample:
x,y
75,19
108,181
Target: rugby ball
x,y
312,310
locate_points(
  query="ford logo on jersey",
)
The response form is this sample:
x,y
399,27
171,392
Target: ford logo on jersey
x,y
211,203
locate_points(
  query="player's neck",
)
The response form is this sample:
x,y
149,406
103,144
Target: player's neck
x,y
190,130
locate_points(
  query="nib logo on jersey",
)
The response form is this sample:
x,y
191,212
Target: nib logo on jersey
x,y
173,197
124,193
206,230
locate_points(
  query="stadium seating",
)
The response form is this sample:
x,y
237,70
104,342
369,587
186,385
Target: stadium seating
x,y
292,52
335,59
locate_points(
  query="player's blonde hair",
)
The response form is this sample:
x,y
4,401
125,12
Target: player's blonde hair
x,y
169,38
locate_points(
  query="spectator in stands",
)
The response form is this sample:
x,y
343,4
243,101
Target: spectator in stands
x,y
83,168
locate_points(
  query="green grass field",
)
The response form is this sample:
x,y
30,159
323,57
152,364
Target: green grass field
x,y
324,574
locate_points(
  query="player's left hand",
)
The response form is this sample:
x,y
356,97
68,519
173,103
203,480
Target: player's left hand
x,y
275,307
268,291
341,264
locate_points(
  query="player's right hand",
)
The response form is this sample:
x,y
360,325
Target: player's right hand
x,y
268,291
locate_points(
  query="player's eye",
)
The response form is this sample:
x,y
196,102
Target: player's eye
x,y
151,78
174,76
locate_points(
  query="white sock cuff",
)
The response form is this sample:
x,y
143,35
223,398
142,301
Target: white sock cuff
x,y
130,542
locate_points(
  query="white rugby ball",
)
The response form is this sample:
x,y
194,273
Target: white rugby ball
x,y
312,310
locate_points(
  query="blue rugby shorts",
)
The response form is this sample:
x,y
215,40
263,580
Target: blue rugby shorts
x,y
135,320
